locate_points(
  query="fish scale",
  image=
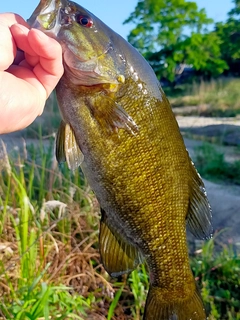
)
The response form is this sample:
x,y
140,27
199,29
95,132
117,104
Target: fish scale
x,y
119,127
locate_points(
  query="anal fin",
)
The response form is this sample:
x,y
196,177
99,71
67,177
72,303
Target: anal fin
x,y
199,217
118,256
67,149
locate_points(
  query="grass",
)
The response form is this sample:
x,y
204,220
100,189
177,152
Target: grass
x,y
217,272
48,245
212,165
50,266
217,98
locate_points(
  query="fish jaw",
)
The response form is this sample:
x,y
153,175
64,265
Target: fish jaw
x,y
46,16
89,57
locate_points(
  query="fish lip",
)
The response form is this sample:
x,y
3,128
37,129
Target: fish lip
x,y
51,12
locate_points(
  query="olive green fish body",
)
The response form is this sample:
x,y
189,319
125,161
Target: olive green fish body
x,y
118,125
143,183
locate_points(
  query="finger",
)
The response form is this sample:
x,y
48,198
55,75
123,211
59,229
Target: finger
x,y
7,48
48,49
50,68
24,64
37,45
32,60
20,35
13,115
7,45
25,74
19,57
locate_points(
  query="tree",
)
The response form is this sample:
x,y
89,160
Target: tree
x,y
204,53
235,11
229,33
173,32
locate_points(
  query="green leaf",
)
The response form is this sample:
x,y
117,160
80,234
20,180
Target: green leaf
x,y
114,303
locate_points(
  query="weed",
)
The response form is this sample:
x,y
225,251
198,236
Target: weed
x,y
114,303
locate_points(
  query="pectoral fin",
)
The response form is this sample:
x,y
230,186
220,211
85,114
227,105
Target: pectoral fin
x,y
110,115
199,217
67,148
118,257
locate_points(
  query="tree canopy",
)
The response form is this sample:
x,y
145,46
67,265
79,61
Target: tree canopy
x,y
174,32
229,33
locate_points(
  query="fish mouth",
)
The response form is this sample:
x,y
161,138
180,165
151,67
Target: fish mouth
x,y
50,15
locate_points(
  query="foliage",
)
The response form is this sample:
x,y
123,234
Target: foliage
x,y
211,164
170,33
229,33
162,23
217,271
202,51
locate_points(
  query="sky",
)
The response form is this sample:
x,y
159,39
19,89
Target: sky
x,y
113,13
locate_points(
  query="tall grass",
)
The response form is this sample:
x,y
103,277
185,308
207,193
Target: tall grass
x,y
33,230
217,272
50,266
214,98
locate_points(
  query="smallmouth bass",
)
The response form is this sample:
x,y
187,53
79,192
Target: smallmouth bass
x,y
119,127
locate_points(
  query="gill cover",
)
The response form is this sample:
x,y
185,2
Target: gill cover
x,y
89,54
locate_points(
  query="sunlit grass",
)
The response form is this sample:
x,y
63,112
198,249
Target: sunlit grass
x,y
220,98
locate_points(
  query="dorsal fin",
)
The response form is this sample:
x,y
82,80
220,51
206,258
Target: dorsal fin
x,y
67,148
118,256
199,217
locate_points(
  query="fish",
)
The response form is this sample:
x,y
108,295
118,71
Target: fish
x,y
118,126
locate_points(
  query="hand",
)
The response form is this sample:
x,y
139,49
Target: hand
x,y
30,68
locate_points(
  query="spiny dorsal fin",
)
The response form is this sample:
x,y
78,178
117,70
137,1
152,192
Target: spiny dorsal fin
x,y
118,257
199,217
67,148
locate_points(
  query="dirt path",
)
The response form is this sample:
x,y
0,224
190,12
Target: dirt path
x,y
195,121
224,198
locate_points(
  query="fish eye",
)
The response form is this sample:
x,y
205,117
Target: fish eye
x,y
85,21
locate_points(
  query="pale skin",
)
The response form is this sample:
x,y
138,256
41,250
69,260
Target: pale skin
x,y
30,68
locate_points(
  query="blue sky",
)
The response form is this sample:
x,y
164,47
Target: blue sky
x,y
113,13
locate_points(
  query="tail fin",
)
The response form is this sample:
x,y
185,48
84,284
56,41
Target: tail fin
x,y
158,309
